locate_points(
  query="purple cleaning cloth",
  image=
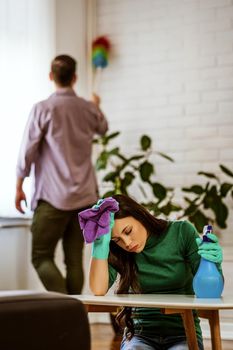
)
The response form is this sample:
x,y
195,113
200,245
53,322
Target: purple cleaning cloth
x,y
95,221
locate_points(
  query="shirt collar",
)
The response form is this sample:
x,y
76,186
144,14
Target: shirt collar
x,y
154,239
65,91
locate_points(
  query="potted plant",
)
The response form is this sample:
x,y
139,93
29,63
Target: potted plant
x,y
202,203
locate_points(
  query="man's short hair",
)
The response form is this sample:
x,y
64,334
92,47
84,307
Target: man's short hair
x,y
63,68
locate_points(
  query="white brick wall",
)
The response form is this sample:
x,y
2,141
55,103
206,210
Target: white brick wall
x,y
170,75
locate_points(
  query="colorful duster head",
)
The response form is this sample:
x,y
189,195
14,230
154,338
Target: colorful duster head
x,y
100,51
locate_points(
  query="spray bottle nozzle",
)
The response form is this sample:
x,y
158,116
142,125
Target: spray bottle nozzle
x,y
207,229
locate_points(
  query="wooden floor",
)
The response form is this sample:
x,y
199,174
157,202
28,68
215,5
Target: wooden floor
x,y
103,339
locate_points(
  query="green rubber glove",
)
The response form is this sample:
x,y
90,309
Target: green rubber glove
x,y
211,251
100,247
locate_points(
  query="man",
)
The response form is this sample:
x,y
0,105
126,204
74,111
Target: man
x,y
58,142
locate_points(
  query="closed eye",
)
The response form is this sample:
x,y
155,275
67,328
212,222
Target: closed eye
x,y
116,240
128,231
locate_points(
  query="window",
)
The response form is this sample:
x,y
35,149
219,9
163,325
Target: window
x,y
27,45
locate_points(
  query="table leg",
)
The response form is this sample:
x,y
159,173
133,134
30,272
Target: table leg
x,y
213,318
189,325
215,330
190,330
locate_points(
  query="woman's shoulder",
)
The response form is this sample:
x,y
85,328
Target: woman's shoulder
x,y
182,227
184,233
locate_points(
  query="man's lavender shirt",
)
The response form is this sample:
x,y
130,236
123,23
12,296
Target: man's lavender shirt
x,y
58,141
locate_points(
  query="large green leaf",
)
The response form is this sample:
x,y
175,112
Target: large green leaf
x,y
209,175
102,160
175,207
221,213
197,189
213,191
199,220
225,188
207,201
190,210
146,169
152,207
159,190
226,170
114,151
166,209
128,179
210,198
145,142
169,207
111,176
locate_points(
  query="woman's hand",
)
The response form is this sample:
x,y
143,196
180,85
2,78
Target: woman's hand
x,y
211,251
98,276
100,248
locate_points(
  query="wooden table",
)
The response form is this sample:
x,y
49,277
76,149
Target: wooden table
x,y
168,303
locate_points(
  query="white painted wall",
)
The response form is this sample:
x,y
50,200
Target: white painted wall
x,y
71,36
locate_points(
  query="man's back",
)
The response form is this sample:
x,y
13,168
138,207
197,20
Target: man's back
x,y
58,141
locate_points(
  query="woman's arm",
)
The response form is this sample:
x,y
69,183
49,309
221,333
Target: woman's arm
x,y
190,249
99,276
99,280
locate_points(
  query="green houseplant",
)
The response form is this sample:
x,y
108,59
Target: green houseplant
x,y
121,172
208,203
202,203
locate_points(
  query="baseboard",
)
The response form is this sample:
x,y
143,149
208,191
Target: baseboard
x,y
226,327
226,330
101,317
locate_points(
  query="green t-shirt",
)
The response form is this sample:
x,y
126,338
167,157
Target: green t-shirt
x,y
165,266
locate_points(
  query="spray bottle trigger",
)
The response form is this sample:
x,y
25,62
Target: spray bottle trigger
x,y
205,238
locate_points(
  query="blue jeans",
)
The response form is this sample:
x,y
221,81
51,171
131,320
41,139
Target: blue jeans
x,y
139,342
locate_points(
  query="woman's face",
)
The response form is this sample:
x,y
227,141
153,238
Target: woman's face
x,y
129,234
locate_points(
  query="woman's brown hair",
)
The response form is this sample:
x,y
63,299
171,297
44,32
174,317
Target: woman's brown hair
x,y
123,261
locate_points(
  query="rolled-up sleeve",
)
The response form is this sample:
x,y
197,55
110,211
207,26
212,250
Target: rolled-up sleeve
x,y
32,136
100,124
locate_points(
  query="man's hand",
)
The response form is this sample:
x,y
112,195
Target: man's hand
x,y
20,195
96,99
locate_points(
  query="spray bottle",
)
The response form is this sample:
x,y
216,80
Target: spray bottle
x,y
208,281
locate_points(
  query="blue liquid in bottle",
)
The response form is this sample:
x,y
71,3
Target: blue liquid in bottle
x,y
208,281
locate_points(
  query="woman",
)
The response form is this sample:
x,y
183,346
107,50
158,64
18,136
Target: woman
x,y
151,256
